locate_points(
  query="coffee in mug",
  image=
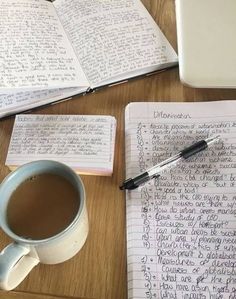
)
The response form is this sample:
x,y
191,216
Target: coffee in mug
x,y
42,206
43,209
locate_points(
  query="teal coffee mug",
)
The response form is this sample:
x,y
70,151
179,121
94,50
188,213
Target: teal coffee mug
x,y
43,210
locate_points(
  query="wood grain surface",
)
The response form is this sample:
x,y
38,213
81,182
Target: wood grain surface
x,y
99,270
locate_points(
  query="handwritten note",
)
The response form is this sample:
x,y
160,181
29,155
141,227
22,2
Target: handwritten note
x,y
181,227
113,37
35,51
84,142
25,100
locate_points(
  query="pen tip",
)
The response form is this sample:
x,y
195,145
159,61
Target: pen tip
x,y
216,137
212,139
122,187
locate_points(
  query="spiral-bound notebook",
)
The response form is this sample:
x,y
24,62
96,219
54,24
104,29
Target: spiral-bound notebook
x,y
181,227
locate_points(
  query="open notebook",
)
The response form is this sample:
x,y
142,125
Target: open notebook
x,y
181,228
53,50
84,142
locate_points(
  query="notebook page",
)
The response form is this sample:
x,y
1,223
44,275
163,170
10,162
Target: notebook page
x,y
84,142
114,40
181,228
26,100
35,51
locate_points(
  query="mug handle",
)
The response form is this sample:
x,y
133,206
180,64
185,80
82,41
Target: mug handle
x,y
15,264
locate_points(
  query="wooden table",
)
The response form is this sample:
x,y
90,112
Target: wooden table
x,y
99,270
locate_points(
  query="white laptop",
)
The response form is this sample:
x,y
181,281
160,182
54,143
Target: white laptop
x,y
206,35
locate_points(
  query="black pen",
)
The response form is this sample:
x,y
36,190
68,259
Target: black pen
x,y
155,171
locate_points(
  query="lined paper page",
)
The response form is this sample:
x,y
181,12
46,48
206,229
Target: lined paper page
x,y
84,142
25,100
114,40
35,51
181,228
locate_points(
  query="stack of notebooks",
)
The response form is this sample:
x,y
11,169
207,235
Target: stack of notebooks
x,y
68,47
